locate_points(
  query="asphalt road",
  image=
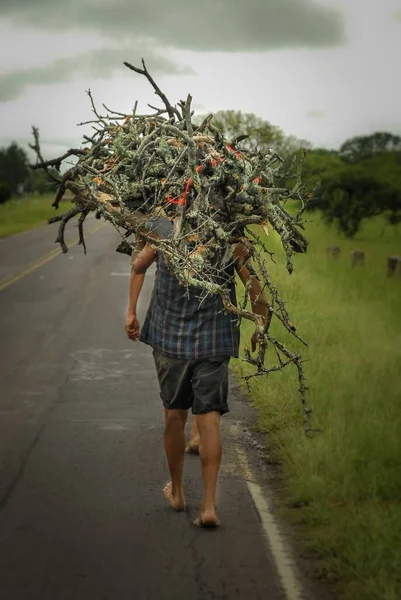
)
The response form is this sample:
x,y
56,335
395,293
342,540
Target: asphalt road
x,y
82,468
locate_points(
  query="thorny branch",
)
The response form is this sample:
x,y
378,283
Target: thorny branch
x,y
192,194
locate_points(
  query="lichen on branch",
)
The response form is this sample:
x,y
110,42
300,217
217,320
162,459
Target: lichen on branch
x,y
193,195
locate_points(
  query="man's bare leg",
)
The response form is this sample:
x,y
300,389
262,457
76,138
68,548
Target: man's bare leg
x,y
174,445
193,444
210,451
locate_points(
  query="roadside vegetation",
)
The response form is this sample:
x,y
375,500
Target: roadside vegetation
x,y
343,487
27,212
26,194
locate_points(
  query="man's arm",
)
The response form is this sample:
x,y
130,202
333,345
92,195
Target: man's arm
x,y
131,322
135,287
260,306
144,259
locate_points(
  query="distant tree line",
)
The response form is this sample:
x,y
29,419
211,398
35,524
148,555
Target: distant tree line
x,y
359,181
16,176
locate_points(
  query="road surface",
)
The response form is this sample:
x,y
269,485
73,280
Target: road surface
x,y
82,468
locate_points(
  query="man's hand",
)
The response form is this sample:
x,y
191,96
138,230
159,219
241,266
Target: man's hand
x,y
254,341
132,327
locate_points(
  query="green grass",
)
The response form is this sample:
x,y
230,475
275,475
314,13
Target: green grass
x,y
344,485
21,214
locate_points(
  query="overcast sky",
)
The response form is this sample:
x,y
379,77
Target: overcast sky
x,y
323,70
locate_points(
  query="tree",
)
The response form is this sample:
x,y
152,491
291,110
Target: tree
x,y
362,147
352,192
14,167
387,170
5,192
347,196
39,182
261,134
318,163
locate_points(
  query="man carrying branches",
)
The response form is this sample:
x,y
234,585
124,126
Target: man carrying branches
x,y
199,200
193,339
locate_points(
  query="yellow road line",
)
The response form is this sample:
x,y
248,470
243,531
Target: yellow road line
x,y
42,261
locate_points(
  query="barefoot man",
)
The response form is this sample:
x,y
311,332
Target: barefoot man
x,y
192,344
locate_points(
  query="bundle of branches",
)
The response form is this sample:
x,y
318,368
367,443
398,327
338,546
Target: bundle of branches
x,y
192,194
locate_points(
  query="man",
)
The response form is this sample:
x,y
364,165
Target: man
x,y
192,343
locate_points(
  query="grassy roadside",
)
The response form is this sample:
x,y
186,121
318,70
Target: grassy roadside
x,y
28,212
344,486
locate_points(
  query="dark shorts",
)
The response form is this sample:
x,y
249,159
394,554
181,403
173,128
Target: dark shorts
x,y
201,385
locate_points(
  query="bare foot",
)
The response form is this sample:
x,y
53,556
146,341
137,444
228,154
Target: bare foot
x,y
177,502
207,518
192,447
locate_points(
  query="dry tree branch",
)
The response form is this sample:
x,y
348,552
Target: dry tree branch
x,y
191,194
64,220
41,162
173,112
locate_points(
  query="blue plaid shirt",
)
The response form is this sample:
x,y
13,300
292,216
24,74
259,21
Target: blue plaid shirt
x,y
181,324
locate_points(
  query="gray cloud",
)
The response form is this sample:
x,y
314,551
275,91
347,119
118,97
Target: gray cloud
x,y
101,63
315,114
226,25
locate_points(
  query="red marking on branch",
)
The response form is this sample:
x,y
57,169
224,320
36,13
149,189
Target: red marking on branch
x,y
236,152
180,200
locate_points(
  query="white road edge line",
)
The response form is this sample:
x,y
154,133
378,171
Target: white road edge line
x,y
281,554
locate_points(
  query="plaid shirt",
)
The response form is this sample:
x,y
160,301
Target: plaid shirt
x,y
181,324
